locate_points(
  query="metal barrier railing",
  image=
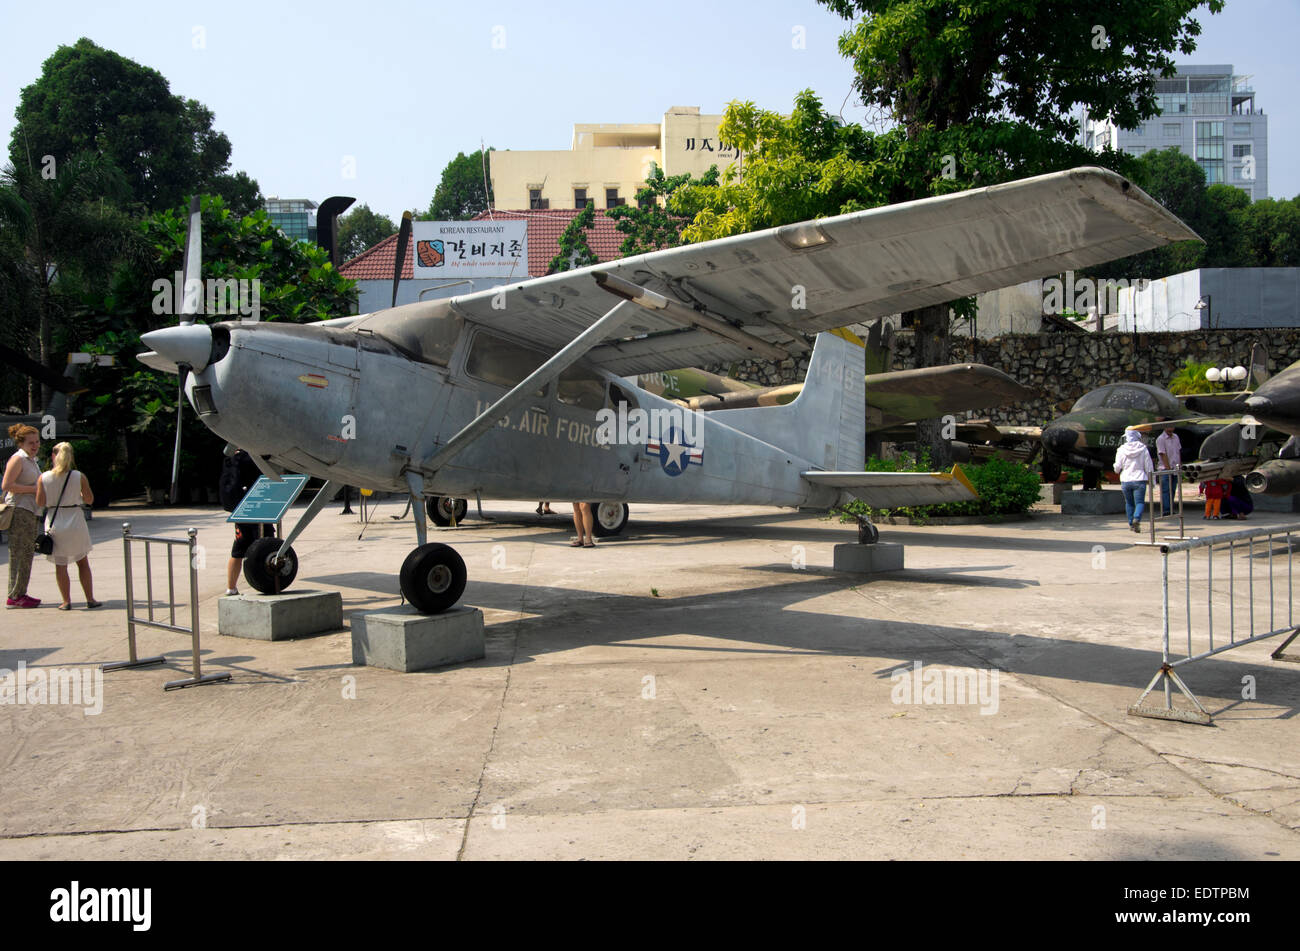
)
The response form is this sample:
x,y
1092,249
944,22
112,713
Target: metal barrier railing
x,y
1243,596
132,619
1176,488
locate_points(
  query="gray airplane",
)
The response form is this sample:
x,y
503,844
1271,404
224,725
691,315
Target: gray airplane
x,y
518,392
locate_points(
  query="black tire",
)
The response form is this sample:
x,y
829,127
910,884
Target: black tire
x,y
1051,470
608,518
433,578
262,574
441,508
1091,478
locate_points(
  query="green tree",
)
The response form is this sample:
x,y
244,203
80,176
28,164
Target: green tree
x,y
296,283
361,229
464,190
59,238
92,99
574,250
656,225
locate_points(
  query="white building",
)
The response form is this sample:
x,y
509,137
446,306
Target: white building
x,y
1208,113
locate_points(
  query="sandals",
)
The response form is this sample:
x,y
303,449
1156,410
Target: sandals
x,y
94,604
576,543
65,607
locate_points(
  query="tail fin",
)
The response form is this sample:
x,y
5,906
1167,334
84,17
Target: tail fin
x,y
826,424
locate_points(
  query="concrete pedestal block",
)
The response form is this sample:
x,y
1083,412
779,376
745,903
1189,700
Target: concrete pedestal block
x,y
867,559
402,639
1051,492
1093,502
279,617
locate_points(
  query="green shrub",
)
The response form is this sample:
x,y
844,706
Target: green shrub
x,y
1004,488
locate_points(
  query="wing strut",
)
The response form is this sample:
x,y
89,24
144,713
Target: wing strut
x,y
526,388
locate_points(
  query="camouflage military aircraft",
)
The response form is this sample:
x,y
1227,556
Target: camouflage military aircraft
x,y
502,392
1088,435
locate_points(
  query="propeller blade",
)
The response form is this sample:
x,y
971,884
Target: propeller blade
x,y
403,241
327,225
193,265
180,409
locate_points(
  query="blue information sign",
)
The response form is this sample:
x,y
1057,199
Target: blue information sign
x,y
267,501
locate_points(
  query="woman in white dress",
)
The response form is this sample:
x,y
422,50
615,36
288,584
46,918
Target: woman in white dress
x,y
67,523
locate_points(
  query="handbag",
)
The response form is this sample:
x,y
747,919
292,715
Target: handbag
x,y
45,541
6,516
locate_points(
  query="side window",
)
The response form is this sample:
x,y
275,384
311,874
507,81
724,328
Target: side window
x,y
577,387
619,399
501,362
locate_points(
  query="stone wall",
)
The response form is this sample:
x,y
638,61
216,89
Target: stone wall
x,y
1064,366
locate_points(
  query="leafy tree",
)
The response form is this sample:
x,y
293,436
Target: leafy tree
x,y
92,99
297,283
657,225
463,191
361,229
58,239
574,251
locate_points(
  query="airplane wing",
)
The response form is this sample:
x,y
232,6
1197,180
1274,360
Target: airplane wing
x,y
884,490
755,294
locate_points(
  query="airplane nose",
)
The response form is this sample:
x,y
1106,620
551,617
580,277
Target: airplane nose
x,y
1059,440
189,344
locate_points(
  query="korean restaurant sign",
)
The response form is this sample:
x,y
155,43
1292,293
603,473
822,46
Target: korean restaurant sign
x,y
460,249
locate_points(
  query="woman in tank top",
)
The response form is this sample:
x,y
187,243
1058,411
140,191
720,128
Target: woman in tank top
x,y
61,491
19,485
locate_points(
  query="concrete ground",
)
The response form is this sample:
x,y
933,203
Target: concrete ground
x,y
701,687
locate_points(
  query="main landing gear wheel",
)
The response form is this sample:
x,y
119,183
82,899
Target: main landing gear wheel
x,y
262,571
1051,470
868,534
433,578
610,517
442,508
1091,478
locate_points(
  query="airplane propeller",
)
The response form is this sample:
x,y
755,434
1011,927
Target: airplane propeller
x,y
403,241
192,288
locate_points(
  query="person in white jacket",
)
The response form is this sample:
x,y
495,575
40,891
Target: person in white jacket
x,y
1133,463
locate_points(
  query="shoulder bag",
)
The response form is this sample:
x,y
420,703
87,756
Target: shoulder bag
x,y
45,541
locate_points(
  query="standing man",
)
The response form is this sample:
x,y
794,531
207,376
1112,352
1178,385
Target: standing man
x,y
1170,451
238,473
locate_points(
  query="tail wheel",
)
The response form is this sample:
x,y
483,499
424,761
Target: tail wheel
x,y
263,572
610,517
443,509
433,578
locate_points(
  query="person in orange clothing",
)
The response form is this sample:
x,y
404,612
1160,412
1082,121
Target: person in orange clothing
x,y
1214,490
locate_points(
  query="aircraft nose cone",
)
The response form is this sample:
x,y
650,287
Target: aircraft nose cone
x,y
188,344
1059,440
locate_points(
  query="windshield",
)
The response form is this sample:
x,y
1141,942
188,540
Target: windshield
x,y
426,331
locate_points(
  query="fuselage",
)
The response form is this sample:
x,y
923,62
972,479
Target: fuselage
x,y
365,404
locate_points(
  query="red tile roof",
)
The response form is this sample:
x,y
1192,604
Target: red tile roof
x,y
544,228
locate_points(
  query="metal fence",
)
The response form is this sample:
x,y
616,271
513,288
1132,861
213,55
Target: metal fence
x,y
1248,582
133,619
1155,502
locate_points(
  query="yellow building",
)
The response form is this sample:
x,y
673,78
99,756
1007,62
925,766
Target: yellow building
x,y
608,162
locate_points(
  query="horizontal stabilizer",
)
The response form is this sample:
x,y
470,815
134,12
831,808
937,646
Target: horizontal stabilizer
x,y
887,490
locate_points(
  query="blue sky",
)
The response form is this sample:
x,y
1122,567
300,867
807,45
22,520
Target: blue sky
x,y
413,84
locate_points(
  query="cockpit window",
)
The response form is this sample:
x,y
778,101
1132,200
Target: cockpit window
x,y
498,361
581,388
426,331
1132,397
1092,400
